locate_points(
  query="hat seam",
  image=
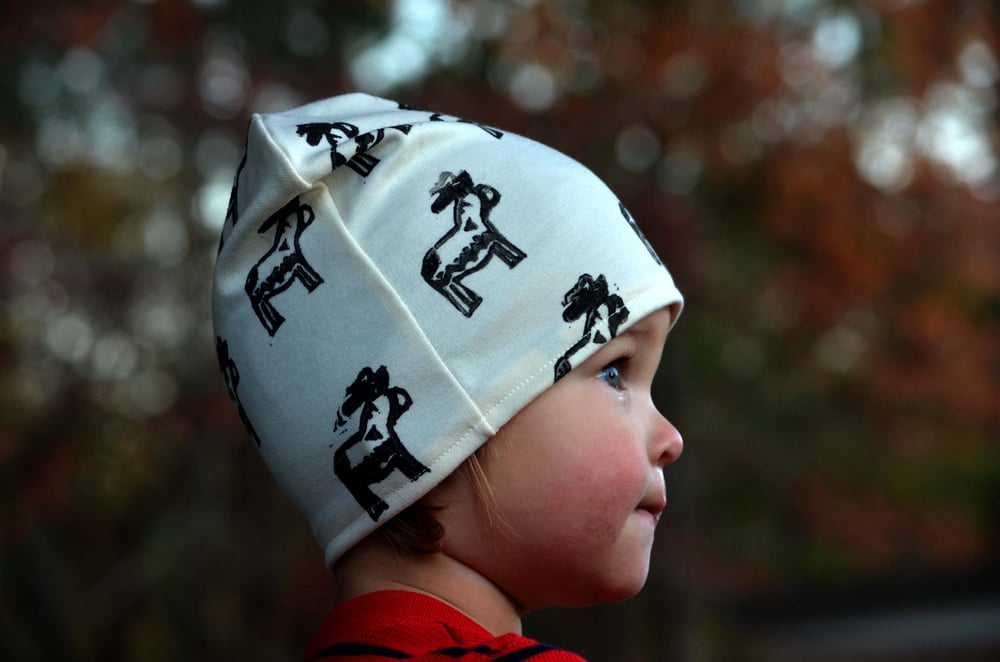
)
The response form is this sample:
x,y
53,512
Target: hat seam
x,y
483,415
401,302
285,156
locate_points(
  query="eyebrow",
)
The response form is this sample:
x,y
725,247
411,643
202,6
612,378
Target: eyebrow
x,y
640,335
633,331
629,336
636,332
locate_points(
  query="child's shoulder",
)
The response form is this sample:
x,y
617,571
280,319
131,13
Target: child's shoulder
x,y
403,625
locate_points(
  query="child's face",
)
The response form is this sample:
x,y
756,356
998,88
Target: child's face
x,y
578,478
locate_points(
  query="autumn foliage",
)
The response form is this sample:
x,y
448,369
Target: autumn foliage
x,y
822,178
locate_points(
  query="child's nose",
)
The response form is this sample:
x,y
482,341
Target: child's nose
x,y
666,443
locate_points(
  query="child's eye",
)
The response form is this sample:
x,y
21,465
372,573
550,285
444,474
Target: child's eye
x,y
612,374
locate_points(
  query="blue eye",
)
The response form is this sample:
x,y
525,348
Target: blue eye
x,y
612,375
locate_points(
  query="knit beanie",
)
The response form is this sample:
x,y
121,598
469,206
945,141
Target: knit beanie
x,y
393,285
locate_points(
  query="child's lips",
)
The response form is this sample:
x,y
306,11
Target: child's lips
x,y
654,505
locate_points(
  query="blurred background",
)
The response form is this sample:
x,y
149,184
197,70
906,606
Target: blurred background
x,y
821,177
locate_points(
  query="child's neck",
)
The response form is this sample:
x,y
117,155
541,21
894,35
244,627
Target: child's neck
x,y
373,565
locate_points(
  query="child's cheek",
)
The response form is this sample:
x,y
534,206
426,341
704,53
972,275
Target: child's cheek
x,y
610,485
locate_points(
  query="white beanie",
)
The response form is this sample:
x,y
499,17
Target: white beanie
x,y
394,285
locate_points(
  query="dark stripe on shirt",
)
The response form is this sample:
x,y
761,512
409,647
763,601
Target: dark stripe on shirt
x,y
456,651
348,649
524,653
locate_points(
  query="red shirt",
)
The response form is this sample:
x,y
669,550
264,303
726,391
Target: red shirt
x,y
403,625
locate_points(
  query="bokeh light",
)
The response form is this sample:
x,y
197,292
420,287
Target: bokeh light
x,y
822,178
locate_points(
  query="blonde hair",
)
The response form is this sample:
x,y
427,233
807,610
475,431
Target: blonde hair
x,y
417,531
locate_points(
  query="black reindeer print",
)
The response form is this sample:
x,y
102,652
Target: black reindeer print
x,y
588,298
282,265
371,407
438,117
638,232
364,162
232,376
470,242
337,133
232,210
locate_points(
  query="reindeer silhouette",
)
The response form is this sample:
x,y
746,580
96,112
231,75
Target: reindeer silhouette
x,y
585,299
380,406
232,376
438,117
470,243
336,133
638,232
282,264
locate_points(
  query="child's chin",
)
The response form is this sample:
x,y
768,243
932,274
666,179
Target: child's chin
x,y
626,592
622,588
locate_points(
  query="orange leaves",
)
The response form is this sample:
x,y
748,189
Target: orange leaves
x,y
940,360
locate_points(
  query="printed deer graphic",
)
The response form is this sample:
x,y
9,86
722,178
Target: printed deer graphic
x,y
378,406
282,265
232,376
470,243
338,133
586,299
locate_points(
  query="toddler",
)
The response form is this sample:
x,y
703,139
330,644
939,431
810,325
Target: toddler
x,y
442,338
